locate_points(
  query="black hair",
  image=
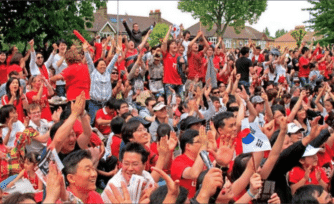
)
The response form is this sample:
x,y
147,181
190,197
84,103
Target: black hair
x,y
66,113
4,112
305,194
32,157
169,42
305,49
97,62
18,197
13,73
274,137
16,59
244,50
214,98
126,115
163,130
136,148
128,129
116,125
331,101
118,103
148,100
54,128
61,41
9,93
239,165
159,195
187,138
3,52
110,103
72,160
219,120
278,107
293,102
185,33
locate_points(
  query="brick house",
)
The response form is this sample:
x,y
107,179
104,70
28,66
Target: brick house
x,y
106,24
287,40
231,38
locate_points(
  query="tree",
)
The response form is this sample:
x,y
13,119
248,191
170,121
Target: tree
x,y
266,31
322,18
158,34
228,12
280,32
298,35
45,20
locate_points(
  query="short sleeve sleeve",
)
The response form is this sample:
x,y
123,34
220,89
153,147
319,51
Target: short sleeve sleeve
x,y
177,169
295,175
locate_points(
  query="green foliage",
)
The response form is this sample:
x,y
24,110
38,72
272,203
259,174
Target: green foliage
x,y
322,20
266,31
158,34
298,35
45,20
280,32
228,12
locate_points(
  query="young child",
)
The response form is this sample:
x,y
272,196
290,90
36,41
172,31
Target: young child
x,y
30,163
308,172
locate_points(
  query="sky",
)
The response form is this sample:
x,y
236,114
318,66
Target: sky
x,y
278,15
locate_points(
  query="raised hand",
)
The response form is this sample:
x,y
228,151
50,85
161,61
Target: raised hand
x,y
203,138
255,183
274,199
283,124
55,47
78,106
116,197
225,152
172,141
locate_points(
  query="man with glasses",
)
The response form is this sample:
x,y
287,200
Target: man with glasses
x,y
37,65
147,113
38,143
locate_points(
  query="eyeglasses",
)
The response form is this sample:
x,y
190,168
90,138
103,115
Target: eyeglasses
x,y
141,130
40,57
114,73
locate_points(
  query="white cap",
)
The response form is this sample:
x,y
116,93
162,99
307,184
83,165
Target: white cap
x,y
293,128
158,106
310,151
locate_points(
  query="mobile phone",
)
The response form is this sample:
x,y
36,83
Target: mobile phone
x,y
266,191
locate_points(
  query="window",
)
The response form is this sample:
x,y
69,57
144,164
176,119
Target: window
x,y
246,42
228,43
234,44
213,40
106,34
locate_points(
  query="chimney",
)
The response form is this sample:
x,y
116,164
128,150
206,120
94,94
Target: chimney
x,y
102,11
156,15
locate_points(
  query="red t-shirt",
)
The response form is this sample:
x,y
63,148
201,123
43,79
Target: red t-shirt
x,y
94,138
297,173
129,56
33,181
77,80
93,197
98,51
154,148
13,67
238,144
171,75
152,159
260,59
195,61
44,72
325,160
18,105
303,72
3,73
104,129
44,103
179,164
115,145
9,57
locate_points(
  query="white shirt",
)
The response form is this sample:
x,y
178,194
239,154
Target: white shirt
x,y
280,72
185,44
17,127
36,146
33,66
56,58
118,178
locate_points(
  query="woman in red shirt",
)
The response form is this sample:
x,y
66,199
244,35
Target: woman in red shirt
x,y
14,65
3,68
14,96
40,94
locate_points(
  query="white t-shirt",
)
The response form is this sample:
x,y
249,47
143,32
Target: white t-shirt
x,y
185,44
118,178
17,127
36,146
280,71
60,68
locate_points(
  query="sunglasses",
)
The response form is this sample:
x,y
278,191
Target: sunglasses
x,y
216,92
114,73
40,57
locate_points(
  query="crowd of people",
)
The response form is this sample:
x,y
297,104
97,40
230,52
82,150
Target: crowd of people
x,y
138,120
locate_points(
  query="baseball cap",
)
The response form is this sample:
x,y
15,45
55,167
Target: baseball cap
x,y
257,99
310,151
293,128
159,106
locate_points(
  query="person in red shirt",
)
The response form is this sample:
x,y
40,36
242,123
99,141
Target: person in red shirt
x,y
15,65
104,116
12,51
308,172
116,139
40,94
257,55
3,68
14,96
170,54
76,76
304,65
195,61
81,175
133,52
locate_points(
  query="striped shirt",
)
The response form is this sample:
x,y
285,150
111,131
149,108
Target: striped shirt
x,y
100,89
